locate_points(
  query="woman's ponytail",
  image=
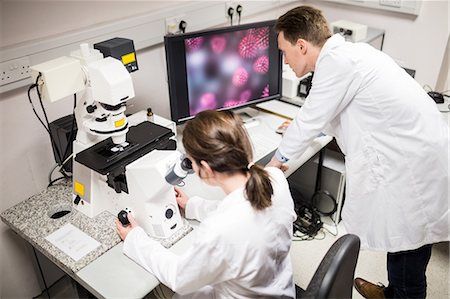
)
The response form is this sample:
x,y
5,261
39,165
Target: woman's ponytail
x,y
259,188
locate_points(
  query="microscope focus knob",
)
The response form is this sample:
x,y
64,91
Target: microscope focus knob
x,y
77,200
91,108
123,217
169,213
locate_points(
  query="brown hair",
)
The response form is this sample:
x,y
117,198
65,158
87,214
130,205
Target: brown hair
x,y
220,139
304,22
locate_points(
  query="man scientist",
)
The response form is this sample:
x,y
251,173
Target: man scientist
x,y
395,142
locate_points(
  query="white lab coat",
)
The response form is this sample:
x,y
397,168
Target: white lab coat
x,y
239,252
395,141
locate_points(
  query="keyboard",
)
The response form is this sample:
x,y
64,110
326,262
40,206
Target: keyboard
x,y
263,145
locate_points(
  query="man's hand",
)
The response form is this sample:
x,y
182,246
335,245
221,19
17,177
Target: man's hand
x,y
275,163
181,198
124,230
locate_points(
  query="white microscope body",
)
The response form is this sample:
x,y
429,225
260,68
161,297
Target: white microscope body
x,y
139,185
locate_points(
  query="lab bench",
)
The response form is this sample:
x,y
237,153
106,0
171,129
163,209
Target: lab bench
x,y
31,219
106,272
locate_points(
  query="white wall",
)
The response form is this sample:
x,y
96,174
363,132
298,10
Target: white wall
x,y
25,154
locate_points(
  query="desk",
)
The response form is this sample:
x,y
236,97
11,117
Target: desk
x,y
107,272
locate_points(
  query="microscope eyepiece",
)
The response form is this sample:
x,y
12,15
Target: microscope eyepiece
x,y
179,170
186,164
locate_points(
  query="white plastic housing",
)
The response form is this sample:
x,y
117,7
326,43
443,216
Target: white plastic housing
x,y
359,31
61,77
111,82
152,195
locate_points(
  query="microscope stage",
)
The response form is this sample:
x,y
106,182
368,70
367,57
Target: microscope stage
x,y
141,140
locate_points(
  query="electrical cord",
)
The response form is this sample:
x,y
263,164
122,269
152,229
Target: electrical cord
x,y
299,236
61,170
230,13
51,173
67,160
182,26
47,128
335,226
42,105
35,85
69,142
55,180
239,11
32,105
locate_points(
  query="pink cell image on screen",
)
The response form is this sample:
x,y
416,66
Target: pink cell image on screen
x,y
261,65
265,92
208,101
248,47
262,38
245,95
225,70
232,103
240,77
218,44
194,43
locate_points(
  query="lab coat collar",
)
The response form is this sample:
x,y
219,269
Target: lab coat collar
x,y
233,198
334,41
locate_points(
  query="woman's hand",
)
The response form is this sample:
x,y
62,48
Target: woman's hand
x,y
181,198
124,230
275,163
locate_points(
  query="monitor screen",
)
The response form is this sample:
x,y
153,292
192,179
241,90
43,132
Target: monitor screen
x,y
222,68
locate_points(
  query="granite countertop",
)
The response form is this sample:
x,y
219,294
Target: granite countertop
x,y
31,220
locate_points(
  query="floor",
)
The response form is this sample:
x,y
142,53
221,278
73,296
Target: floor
x,y
306,256
371,266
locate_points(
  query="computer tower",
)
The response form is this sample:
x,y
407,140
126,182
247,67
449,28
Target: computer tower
x,y
63,131
302,182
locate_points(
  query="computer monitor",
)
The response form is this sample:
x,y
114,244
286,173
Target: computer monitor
x,y
222,68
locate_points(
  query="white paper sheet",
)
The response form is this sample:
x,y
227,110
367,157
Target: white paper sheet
x,y
72,241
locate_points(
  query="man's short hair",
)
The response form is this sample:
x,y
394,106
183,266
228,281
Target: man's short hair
x,y
304,22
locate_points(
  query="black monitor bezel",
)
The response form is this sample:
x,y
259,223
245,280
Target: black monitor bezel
x,y
176,67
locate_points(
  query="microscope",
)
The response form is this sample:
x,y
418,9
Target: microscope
x,y
120,163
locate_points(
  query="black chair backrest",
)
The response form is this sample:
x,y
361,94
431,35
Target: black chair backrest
x,y
334,276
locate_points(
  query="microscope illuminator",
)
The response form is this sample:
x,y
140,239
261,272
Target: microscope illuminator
x,y
59,78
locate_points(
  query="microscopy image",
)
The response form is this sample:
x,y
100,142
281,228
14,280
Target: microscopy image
x,y
228,69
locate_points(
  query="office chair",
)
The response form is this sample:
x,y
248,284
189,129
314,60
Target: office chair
x,y
334,276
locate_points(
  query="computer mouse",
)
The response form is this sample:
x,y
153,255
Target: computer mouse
x,y
123,217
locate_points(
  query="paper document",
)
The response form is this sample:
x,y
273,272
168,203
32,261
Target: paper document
x,y
72,241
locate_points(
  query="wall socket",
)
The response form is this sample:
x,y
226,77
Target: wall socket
x,y
173,23
14,70
392,3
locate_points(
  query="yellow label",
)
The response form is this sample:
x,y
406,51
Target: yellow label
x,y
126,59
78,188
119,123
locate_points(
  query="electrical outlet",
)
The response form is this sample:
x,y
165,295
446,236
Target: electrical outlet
x,y
392,3
173,23
14,70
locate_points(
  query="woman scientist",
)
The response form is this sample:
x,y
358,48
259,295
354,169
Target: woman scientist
x,y
242,248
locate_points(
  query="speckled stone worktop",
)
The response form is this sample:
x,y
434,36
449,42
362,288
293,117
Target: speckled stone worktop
x,y
31,220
